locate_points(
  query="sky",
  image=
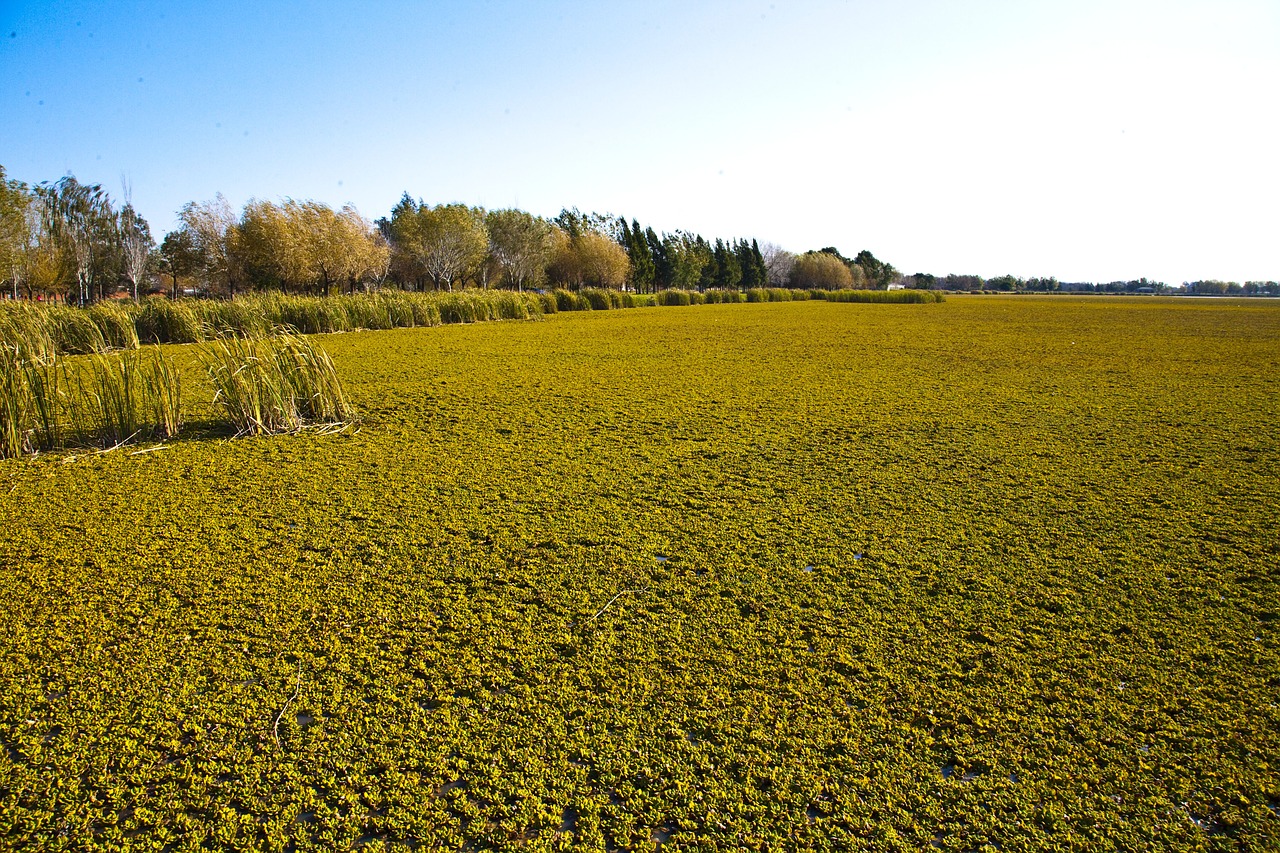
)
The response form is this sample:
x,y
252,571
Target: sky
x,y
1091,140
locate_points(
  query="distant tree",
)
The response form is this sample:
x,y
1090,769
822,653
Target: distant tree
x,y
80,217
15,201
878,273
921,281
589,259
963,282
820,271
179,257
521,244
835,253
136,245
446,241
728,270
690,256
777,264
663,272
37,262
212,226
750,264
643,269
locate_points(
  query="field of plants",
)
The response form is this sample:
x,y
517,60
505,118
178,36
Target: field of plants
x,y
995,573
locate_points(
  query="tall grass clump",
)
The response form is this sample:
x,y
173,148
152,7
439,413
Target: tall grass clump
x,y
15,403
106,410
723,295
74,332
162,395
240,317
120,397
162,320
104,400
602,298
277,384
567,300
27,327
116,322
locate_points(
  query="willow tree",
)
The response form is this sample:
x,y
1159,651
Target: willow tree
x,y
444,243
212,226
822,271
308,244
589,258
79,216
265,246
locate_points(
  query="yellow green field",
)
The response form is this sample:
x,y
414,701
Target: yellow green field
x,y
996,573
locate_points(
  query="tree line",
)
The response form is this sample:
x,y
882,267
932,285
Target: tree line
x,y
69,240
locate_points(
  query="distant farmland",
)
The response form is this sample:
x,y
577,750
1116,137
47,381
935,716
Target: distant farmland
x,y
996,571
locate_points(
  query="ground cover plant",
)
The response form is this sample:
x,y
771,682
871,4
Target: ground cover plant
x,y
987,574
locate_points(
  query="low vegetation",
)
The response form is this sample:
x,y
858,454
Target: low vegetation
x,y
991,574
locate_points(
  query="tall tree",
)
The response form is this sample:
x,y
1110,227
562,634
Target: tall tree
x,y
179,257
633,240
212,226
750,262
777,263
589,259
728,266
80,217
821,271
879,274
446,242
15,201
136,245
663,272
520,244
688,256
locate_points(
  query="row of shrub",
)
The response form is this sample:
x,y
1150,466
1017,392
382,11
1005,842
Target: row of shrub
x,y
46,330
277,383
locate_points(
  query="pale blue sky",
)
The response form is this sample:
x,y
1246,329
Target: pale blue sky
x,y
1088,140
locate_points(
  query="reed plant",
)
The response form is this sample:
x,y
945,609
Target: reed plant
x,y
74,332
106,409
15,408
116,323
162,393
27,327
276,384
162,320
896,297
